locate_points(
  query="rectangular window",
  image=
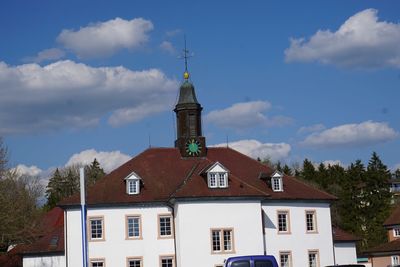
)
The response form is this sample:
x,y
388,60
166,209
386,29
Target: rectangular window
x,y
134,262
133,226
221,180
167,261
276,184
283,221
97,263
311,221
133,186
213,180
165,225
395,260
396,232
96,228
285,259
313,260
222,240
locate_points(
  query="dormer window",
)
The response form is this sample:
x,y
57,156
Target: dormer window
x,y
277,182
217,176
132,184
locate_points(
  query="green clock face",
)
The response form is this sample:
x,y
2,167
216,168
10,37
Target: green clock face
x,y
193,147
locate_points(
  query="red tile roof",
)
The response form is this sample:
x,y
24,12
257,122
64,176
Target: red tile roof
x,y
394,217
340,235
166,175
389,248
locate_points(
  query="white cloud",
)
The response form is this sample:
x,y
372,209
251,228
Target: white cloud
x,y
312,128
256,149
32,170
168,47
105,38
47,55
361,42
66,94
245,115
365,133
333,163
108,160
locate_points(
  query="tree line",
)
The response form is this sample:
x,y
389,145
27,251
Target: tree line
x,y
20,206
364,198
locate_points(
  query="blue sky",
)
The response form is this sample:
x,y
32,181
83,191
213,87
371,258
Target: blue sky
x,y
285,80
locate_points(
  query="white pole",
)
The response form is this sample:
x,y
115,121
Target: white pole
x,y
83,218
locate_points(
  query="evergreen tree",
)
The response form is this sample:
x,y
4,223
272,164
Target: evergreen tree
x,y
93,172
286,170
3,158
54,191
350,203
376,199
308,172
396,174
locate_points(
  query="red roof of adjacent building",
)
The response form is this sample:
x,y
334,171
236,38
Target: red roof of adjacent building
x,y
389,248
394,217
340,235
165,175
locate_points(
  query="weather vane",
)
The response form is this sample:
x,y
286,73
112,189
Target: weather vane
x,y
185,56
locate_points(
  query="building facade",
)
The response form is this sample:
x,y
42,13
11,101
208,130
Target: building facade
x,y
193,205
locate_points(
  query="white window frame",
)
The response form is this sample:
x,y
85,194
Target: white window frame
x,y
167,257
95,261
277,182
313,221
396,232
139,259
224,242
128,225
163,229
90,233
217,179
285,215
395,260
132,184
315,254
288,255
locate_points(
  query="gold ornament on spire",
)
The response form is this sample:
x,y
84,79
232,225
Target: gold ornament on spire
x,y
186,75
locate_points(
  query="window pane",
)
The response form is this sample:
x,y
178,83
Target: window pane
x,y
97,263
166,262
133,226
221,181
227,240
285,260
135,263
282,222
165,226
216,241
276,184
312,259
213,181
310,218
96,228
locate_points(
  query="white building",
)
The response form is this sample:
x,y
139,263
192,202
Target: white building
x,y
195,206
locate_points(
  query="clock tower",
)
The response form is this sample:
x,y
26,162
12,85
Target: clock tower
x,y
189,140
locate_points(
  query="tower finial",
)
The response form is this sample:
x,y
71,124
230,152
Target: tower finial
x,y
185,56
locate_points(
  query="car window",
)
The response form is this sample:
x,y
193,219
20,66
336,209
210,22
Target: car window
x,y
240,264
263,263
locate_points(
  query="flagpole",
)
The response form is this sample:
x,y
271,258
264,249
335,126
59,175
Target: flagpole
x,y
83,218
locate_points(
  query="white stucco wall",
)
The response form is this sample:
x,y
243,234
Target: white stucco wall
x,y
48,261
345,253
194,221
298,241
116,248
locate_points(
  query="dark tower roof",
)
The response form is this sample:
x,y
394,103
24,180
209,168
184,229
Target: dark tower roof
x,y
187,94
